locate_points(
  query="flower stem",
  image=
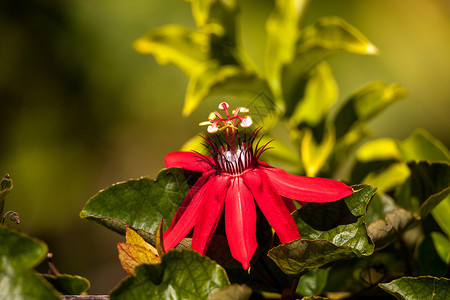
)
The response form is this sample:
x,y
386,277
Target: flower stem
x,y
51,265
293,290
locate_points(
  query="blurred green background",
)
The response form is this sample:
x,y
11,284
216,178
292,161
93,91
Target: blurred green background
x,y
81,110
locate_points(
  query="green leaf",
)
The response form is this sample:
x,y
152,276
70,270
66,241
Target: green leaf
x,y
389,178
428,185
313,282
423,146
379,149
341,223
379,206
140,203
257,280
313,99
431,262
280,48
418,288
220,25
328,35
181,275
281,154
200,11
314,155
378,163
18,254
221,21
21,251
6,186
365,104
304,255
228,81
68,284
232,292
440,214
442,245
318,41
330,232
185,48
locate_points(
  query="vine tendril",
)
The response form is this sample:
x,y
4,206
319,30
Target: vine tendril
x,y
13,216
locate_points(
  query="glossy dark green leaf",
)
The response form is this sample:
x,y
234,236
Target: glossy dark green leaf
x,y
140,203
232,292
185,48
341,223
330,232
18,254
68,284
6,186
419,288
313,282
304,255
181,275
365,104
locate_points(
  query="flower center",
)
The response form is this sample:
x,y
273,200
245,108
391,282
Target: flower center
x,y
234,163
235,154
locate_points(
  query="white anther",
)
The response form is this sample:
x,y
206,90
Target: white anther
x,y
246,122
213,128
223,105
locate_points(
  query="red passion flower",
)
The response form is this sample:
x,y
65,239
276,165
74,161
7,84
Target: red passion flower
x,y
233,180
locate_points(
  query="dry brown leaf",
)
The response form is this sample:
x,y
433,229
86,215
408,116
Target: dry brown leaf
x,y
136,251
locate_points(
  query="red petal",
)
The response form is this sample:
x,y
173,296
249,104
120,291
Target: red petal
x,y
188,160
308,189
289,204
271,205
188,217
187,200
240,222
210,212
